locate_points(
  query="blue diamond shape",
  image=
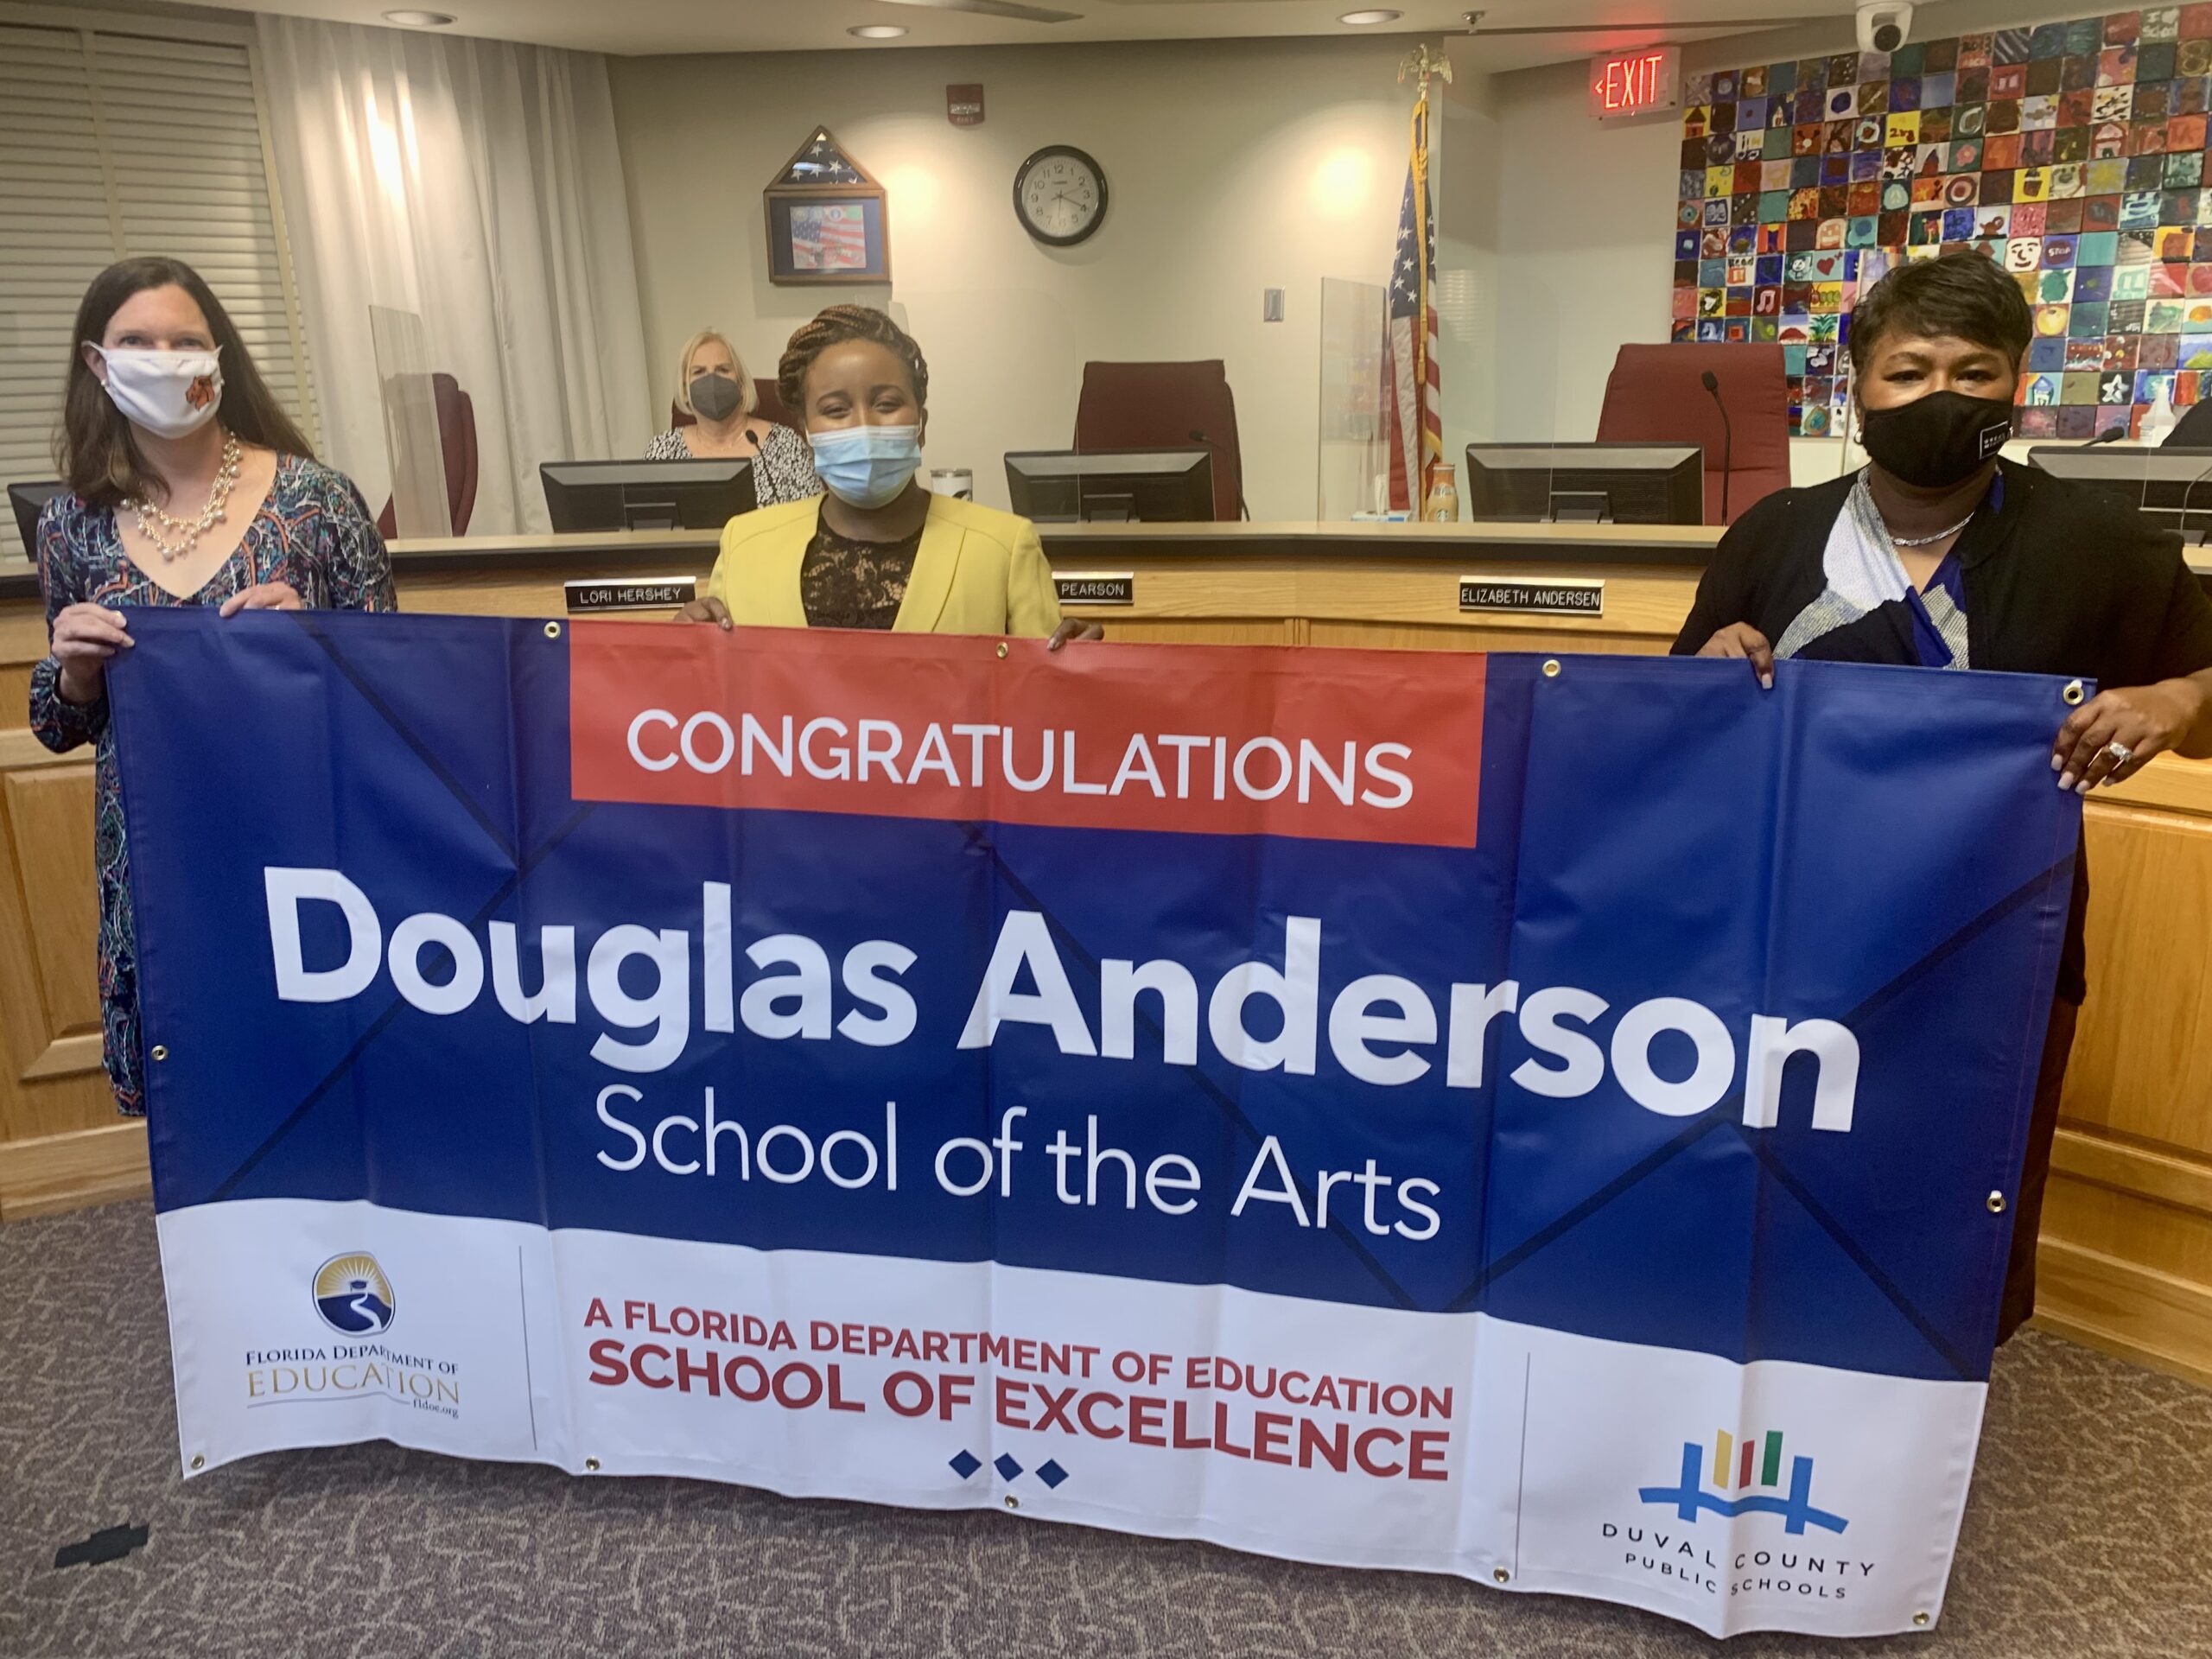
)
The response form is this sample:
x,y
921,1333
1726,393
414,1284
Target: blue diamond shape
x,y
965,1463
1051,1474
1006,1465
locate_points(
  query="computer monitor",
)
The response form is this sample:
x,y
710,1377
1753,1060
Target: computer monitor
x,y
2172,485
27,499
1623,483
646,494
1066,487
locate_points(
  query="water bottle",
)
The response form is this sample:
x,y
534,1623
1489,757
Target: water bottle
x,y
2159,419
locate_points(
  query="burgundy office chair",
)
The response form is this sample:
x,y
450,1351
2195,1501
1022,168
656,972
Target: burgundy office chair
x,y
457,437
1152,405
1656,394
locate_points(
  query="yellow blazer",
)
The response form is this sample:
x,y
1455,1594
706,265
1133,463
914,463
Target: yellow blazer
x,y
978,570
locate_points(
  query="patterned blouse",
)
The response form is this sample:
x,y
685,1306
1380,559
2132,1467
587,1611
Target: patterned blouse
x,y
783,472
848,584
315,532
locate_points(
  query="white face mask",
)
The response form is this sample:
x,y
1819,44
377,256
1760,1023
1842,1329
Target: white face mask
x,y
171,394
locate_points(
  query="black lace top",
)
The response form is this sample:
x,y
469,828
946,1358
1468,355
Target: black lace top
x,y
849,584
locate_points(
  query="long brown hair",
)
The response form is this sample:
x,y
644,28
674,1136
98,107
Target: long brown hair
x,y
97,452
833,325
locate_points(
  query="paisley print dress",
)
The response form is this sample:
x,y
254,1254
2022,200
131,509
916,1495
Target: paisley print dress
x,y
315,532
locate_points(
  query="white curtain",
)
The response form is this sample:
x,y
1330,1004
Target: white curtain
x,y
478,184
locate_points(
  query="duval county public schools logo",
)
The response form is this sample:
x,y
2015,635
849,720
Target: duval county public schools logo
x,y
354,1296
1753,1468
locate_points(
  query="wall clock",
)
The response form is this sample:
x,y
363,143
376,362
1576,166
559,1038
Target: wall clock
x,y
1059,195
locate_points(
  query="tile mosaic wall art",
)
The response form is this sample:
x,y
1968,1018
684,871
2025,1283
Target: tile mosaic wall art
x,y
2074,154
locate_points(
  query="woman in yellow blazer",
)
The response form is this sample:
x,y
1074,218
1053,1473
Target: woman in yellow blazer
x,y
877,550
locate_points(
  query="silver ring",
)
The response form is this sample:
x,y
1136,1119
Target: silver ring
x,y
2120,753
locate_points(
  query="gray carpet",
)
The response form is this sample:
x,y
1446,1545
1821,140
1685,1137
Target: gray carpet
x,y
2090,1533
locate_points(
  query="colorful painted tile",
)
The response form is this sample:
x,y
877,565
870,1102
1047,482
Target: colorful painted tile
x,y
2044,354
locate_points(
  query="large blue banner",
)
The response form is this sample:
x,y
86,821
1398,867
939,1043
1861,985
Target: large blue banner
x,y
1542,1120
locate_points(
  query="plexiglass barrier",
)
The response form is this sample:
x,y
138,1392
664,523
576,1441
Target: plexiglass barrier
x,y
419,506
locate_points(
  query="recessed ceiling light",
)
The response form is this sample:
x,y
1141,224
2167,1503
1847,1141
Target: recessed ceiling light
x,y
419,19
1360,19
876,32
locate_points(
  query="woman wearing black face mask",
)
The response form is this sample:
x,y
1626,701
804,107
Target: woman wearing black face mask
x,y
713,388
1941,555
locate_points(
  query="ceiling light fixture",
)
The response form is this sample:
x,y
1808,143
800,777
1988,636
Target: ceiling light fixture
x,y
419,19
876,32
1361,19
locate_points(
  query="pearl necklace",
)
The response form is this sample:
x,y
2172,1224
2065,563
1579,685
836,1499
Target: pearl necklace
x,y
189,532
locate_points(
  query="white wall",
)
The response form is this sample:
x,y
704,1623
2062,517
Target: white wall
x,y
1230,167
1582,248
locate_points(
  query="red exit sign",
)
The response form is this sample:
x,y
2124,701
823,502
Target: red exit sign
x,y
1630,83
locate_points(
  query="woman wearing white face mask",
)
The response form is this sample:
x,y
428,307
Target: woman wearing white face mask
x,y
187,485
714,389
878,551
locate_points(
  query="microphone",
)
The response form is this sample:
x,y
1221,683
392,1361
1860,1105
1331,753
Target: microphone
x,y
1199,437
2110,434
1710,382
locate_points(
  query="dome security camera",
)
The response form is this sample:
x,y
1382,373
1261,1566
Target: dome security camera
x,y
1884,25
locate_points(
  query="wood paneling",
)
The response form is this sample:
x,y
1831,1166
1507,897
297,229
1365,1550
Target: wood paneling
x,y
101,1165
49,814
51,1084
2126,1258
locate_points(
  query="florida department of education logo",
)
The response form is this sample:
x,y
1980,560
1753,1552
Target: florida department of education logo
x,y
354,1296
1751,1468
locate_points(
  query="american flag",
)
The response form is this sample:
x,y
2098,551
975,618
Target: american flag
x,y
1415,402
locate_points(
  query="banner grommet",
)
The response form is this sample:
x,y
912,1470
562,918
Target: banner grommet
x,y
159,1051
591,1465
1501,1575
552,630
1001,650
1920,1620
199,1460
1012,1501
1551,668
2072,694
1996,1203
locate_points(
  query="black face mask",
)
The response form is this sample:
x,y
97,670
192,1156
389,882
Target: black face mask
x,y
1937,440
715,396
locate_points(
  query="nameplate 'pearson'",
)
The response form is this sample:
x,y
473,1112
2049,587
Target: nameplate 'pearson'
x,y
1382,747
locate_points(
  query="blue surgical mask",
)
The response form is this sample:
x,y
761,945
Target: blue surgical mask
x,y
867,466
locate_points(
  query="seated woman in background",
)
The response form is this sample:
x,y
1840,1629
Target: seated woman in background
x,y
1941,554
879,551
713,387
187,485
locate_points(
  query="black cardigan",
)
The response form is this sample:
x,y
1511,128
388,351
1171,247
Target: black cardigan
x,y
2064,578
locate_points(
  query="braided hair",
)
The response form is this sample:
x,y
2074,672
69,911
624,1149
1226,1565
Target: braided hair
x,y
838,324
